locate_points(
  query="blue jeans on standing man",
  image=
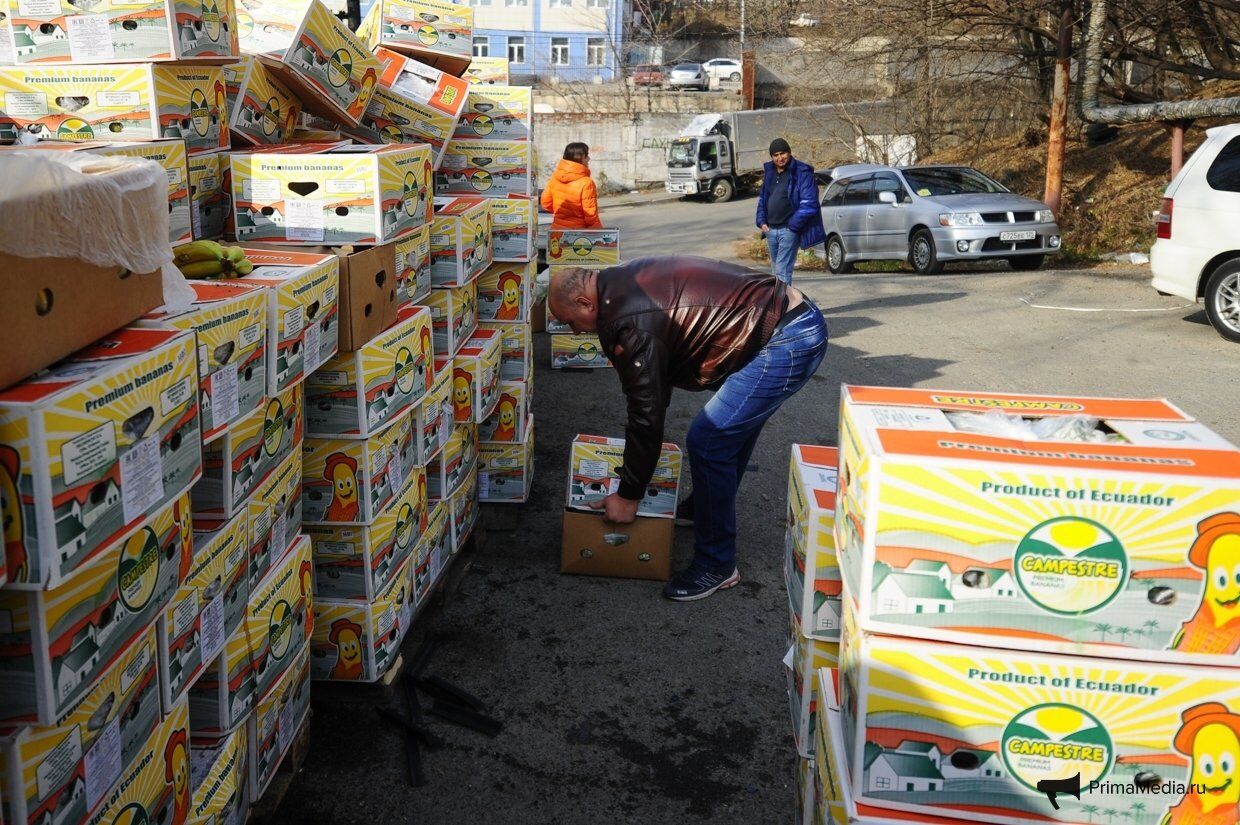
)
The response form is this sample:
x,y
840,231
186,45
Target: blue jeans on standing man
x,y
722,436
783,244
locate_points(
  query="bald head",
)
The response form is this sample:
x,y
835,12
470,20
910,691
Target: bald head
x,y
573,297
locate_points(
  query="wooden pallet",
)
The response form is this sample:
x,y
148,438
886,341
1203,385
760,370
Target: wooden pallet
x,y
263,811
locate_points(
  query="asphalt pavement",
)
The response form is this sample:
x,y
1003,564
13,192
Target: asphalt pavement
x,y
621,707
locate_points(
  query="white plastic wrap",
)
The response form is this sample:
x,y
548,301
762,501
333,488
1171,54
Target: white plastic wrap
x,y
109,211
1079,428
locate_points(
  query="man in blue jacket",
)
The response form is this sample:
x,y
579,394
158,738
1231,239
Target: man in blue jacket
x,y
788,210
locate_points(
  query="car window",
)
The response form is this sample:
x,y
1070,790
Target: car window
x,y
889,183
834,195
858,192
1224,173
687,67
951,180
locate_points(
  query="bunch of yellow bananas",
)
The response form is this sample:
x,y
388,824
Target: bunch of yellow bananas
x,y
209,260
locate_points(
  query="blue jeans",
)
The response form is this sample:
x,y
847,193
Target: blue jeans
x,y
722,436
783,244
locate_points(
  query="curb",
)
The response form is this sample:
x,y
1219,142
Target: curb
x,y
636,200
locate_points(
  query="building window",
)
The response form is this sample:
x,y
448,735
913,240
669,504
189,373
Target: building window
x,y
596,51
559,4
882,782
559,51
516,50
479,2
482,47
516,2
598,4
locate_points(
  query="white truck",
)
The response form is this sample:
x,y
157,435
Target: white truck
x,y
720,154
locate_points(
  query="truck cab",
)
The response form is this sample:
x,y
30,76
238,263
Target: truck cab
x,y
700,160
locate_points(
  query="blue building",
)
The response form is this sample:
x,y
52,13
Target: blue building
x,y
571,40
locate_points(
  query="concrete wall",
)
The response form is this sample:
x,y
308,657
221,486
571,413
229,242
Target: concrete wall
x,y
625,151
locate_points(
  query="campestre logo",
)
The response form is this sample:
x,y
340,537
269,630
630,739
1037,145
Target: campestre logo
x,y
211,21
339,67
132,814
74,129
583,246
480,180
280,629
406,370
404,525
200,112
428,35
1054,741
410,194
273,426
587,351
1070,566
138,571
270,117
483,125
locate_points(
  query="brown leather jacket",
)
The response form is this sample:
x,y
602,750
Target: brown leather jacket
x,y
678,322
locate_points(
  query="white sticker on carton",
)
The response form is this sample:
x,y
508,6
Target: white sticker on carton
x,y
904,418
177,396
303,220
250,336
6,45
446,421
406,614
225,395
89,453
454,161
484,485
345,187
314,340
287,727
294,320
118,100
594,468
103,763
260,189
59,764
25,104
212,631
395,472
279,536
183,614
174,176
142,483
90,37
195,219
39,8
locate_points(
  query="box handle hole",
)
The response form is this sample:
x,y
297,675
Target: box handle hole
x,y
43,301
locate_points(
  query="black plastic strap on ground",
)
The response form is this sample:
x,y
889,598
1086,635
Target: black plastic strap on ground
x,y
465,717
442,689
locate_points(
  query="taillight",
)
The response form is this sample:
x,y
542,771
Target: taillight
x,y
1164,219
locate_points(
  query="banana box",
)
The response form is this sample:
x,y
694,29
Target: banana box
x,y
434,549
171,155
460,240
557,327
358,641
357,562
446,474
393,117
506,471
218,778
303,312
313,53
155,786
361,392
222,696
973,732
464,509
440,96
136,32
594,474
57,643
276,721
60,772
578,352
434,418
504,292
486,168
804,659
261,109
497,113
236,463
92,446
507,423
583,247
116,102
208,606
475,377
413,266
807,793
275,516
351,480
230,320
437,32
316,193
454,317
811,569
209,200
280,615
490,70
1097,530
516,353
514,228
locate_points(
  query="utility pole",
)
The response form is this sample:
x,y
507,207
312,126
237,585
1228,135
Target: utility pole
x,y
1056,142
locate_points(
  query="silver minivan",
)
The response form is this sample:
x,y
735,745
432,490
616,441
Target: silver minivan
x,y
930,216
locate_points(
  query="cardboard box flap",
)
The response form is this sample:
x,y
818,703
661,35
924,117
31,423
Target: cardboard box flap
x,y
1148,409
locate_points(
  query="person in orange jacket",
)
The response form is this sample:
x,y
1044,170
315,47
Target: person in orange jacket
x,y
571,196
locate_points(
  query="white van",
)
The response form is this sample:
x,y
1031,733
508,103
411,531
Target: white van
x,y
1197,254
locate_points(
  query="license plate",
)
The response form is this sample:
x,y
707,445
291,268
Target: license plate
x,y
1023,235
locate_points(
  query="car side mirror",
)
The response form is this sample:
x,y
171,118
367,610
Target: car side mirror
x,y
887,197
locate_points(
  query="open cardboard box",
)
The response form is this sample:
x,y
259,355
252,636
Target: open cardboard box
x,y
593,546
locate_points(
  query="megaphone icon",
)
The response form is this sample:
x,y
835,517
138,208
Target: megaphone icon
x,y
1052,787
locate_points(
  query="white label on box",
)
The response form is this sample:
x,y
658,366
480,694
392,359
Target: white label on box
x,y
386,620
314,340
103,763
594,468
303,220
329,294
59,764
89,453
279,535
250,336
454,161
90,38
142,483
346,187
512,160
613,485
6,45
406,614
330,378
484,485
261,189
400,262
375,108
212,630
904,418
287,727
260,526
294,320
195,218
118,100
507,217
396,473
446,418
183,615
174,176
177,396
225,395
136,668
39,8
25,104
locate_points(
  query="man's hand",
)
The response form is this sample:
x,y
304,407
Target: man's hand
x,y
616,509
765,228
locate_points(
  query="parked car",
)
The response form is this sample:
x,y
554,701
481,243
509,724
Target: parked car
x,y
803,21
688,76
929,216
723,68
648,75
1197,254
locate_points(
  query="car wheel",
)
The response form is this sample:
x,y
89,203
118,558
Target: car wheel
x,y
734,77
836,261
922,255
721,191
1025,263
1222,295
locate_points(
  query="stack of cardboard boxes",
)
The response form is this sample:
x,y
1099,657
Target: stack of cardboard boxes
x,y
1039,595
592,249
